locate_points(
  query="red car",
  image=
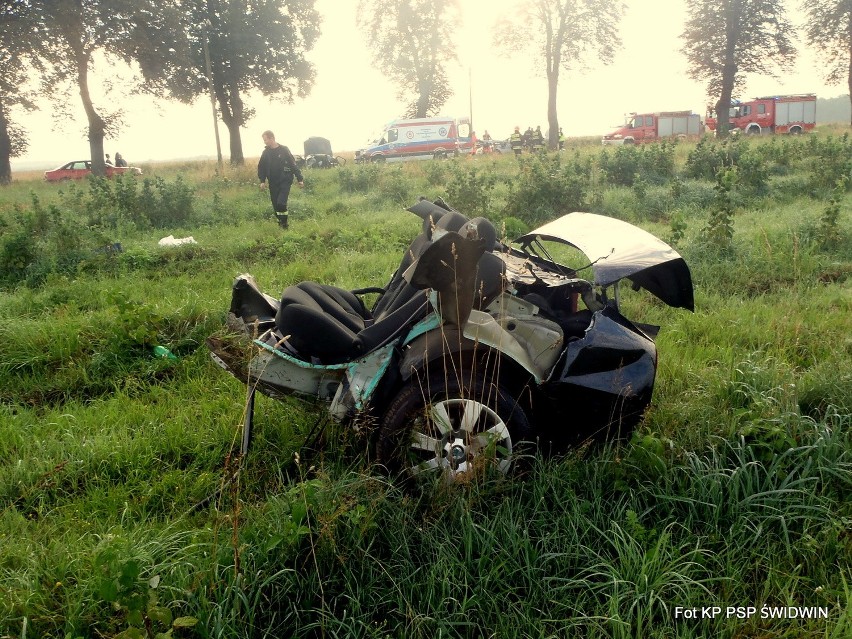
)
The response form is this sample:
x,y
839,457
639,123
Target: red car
x,y
80,169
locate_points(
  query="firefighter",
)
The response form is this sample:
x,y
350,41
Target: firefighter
x,y
487,145
561,140
537,140
528,138
516,141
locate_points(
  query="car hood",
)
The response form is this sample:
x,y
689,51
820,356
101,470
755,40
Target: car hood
x,y
619,250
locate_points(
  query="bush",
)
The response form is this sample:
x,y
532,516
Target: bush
x,y
436,172
44,241
360,179
470,189
172,205
705,160
620,168
831,161
653,163
546,189
396,186
752,172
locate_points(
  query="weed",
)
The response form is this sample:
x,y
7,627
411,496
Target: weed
x,y
828,232
719,232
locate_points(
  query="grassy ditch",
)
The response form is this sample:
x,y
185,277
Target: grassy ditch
x,y
732,493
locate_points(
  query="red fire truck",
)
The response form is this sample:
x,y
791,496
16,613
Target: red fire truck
x,y
647,127
773,114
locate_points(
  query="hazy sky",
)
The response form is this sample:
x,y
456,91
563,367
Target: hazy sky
x,y
351,100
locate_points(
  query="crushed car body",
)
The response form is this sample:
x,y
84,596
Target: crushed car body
x,y
474,346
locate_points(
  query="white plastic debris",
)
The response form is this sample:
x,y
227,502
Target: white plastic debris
x,y
171,240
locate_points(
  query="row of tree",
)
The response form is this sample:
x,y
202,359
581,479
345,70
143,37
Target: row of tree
x,y
186,48
181,49
723,40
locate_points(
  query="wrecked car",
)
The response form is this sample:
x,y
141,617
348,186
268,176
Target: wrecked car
x,y
475,345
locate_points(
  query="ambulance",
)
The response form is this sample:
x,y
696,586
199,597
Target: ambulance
x,y
418,139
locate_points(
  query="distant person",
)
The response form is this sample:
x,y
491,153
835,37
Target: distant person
x,y
119,161
472,143
107,161
487,145
277,166
537,140
561,140
528,138
516,141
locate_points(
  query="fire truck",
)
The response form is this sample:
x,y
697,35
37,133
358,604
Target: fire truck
x,y
792,114
647,127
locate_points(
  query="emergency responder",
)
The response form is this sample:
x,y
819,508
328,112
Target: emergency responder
x,y
487,144
527,137
561,139
537,140
516,141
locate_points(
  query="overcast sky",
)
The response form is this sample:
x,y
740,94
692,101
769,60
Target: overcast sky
x,y
351,100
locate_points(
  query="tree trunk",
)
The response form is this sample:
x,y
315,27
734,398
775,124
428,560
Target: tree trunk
x,y
723,107
96,123
729,70
422,106
424,88
849,80
5,149
849,72
552,119
236,143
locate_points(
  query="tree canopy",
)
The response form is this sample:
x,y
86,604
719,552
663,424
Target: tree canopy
x,y
18,47
829,31
726,39
73,31
412,43
252,45
562,35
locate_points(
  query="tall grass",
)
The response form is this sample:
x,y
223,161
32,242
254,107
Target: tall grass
x,y
733,492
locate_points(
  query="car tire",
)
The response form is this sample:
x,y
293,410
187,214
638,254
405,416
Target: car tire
x,y
451,430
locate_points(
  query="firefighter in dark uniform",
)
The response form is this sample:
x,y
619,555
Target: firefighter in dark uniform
x,y
278,166
527,138
516,141
537,140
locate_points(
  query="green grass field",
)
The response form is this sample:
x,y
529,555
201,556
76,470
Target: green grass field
x,y
727,515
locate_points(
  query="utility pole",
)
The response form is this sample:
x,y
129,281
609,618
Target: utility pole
x,y
470,94
212,95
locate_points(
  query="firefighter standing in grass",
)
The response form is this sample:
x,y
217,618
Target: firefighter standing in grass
x,y
278,166
561,139
516,141
537,140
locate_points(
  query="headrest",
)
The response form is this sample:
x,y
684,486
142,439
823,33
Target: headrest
x,y
433,214
451,221
483,229
449,267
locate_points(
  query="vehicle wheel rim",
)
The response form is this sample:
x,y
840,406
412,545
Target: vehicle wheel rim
x,y
457,436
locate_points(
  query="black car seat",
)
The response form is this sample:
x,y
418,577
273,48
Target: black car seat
x,y
333,325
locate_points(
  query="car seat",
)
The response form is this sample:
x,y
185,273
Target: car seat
x,y
332,325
